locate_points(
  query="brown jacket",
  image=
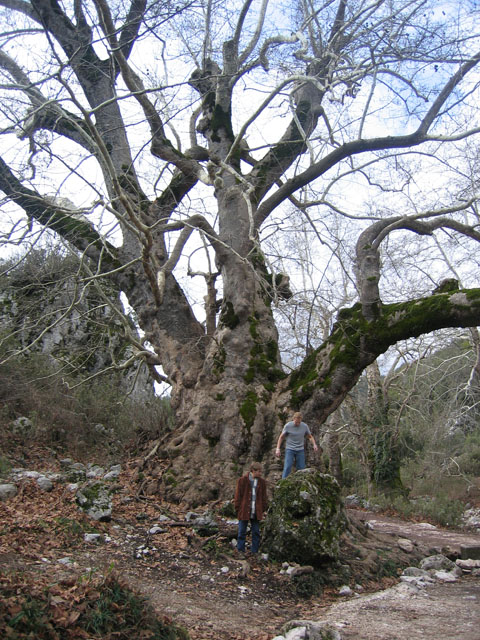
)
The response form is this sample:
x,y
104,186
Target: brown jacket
x,y
243,497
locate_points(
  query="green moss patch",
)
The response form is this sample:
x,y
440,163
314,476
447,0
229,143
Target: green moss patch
x,y
248,409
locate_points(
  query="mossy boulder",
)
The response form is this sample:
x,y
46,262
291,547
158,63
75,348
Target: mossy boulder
x,y
95,499
305,520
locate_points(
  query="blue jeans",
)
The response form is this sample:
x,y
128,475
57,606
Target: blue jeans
x,y
292,456
242,532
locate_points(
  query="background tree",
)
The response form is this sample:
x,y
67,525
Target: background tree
x,y
173,123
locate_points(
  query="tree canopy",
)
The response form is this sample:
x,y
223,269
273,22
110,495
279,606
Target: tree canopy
x,y
192,141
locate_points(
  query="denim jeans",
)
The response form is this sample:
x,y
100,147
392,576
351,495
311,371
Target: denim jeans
x,y
292,456
242,532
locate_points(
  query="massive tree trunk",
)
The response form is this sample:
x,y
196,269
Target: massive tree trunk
x,y
241,399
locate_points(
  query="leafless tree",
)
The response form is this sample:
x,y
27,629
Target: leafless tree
x,y
172,123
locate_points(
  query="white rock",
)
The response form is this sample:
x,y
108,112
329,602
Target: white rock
x,y
405,545
156,529
93,537
426,525
445,576
468,564
30,474
299,633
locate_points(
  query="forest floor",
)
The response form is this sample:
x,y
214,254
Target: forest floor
x,y
204,586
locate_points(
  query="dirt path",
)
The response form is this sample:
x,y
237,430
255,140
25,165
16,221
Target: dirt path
x,y
212,598
441,612
422,533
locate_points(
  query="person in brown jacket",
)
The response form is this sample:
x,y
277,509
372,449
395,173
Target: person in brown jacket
x,y
250,504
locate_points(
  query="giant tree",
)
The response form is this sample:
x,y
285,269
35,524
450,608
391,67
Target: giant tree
x,y
197,126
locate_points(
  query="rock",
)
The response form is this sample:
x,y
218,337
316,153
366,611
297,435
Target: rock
x,y
416,572
45,483
468,564
417,581
76,473
78,466
22,426
204,525
405,545
305,520
354,501
21,474
438,563
113,473
446,576
102,430
7,491
471,518
426,525
303,629
93,537
345,591
95,471
299,633
294,572
156,529
95,499
416,577
163,518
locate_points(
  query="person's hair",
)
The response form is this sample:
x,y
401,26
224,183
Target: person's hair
x,y
255,466
297,414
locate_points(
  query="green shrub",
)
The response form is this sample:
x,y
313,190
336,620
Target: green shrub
x,y
469,460
308,585
386,566
441,510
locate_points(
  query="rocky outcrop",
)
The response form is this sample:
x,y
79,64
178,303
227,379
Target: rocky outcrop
x,y
48,307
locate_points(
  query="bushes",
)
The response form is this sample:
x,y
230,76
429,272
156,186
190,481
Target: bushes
x,y
77,420
440,510
469,461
